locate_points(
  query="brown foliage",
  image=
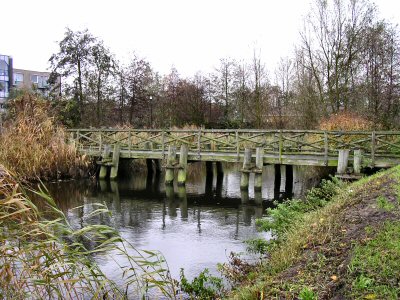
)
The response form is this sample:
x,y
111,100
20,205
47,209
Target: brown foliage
x,y
33,146
347,121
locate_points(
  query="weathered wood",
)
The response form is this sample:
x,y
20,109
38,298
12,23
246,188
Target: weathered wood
x,y
115,162
244,180
282,187
104,156
182,172
343,161
357,161
157,165
259,168
171,162
298,147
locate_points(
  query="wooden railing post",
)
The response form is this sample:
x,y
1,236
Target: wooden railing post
x,y
130,142
199,144
373,147
100,142
326,148
280,146
237,146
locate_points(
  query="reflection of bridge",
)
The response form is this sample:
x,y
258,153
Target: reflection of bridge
x,y
348,151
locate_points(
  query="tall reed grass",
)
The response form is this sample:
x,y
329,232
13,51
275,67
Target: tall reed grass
x,y
45,258
33,146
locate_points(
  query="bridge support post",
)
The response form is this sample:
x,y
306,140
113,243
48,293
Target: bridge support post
x,y
171,162
209,168
182,173
244,180
115,162
357,161
149,163
104,157
259,169
282,188
220,169
157,164
343,161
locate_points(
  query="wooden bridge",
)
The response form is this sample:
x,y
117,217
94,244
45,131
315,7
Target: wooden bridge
x,y
349,151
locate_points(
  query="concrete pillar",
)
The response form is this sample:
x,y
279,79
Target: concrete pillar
x,y
104,157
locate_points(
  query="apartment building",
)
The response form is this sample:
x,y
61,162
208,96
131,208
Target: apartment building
x,y
31,80
6,75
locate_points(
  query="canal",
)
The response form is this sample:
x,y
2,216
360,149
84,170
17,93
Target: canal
x,y
194,227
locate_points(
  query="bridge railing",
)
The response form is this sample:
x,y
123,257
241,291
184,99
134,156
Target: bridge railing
x,y
283,142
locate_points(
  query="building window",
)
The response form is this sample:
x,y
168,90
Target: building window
x,y
35,79
18,78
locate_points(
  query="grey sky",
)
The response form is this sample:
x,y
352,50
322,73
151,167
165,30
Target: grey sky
x,y
191,35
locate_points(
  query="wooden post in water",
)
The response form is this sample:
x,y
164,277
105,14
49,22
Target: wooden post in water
x,y
157,164
220,169
343,161
244,180
104,158
259,169
115,162
282,187
357,161
209,168
149,163
171,162
182,173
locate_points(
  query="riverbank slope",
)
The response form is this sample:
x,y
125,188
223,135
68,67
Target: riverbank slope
x,y
348,249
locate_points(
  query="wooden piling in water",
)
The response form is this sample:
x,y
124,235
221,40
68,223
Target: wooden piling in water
x,y
343,161
244,180
209,168
104,157
259,168
357,161
282,187
115,162
220,169
182,172
157,164
170,167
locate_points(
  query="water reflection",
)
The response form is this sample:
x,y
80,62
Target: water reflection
x,y
195,226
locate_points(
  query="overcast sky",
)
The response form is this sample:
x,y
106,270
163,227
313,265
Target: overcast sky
x,y
190,35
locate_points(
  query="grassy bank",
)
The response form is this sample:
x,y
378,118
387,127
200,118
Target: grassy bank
x,y
346,246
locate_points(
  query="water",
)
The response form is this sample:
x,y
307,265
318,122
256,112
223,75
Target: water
x,y
194,227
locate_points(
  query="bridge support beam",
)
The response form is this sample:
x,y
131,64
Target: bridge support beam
x,y
244,180
170,167
115,162
182,173
259,169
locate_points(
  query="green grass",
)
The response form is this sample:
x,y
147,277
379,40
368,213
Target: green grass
x,y
375,266
304,229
